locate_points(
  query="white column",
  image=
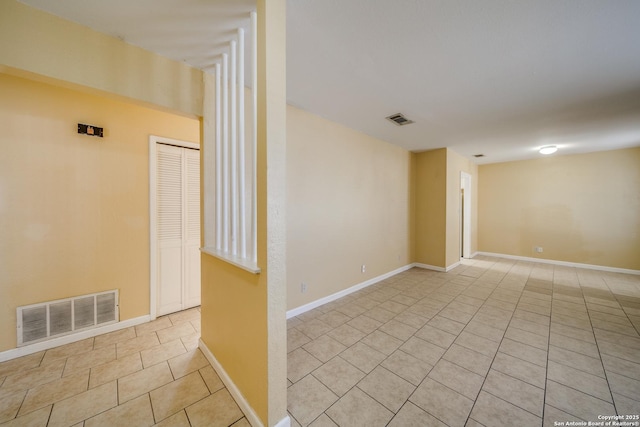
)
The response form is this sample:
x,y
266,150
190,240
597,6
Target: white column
x,y
254,138
218,160
225,151
234,148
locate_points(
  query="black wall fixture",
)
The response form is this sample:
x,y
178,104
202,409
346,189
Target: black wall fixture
x,y
90,130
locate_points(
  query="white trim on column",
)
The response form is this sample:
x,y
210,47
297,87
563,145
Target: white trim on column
x,y
285,422
248,411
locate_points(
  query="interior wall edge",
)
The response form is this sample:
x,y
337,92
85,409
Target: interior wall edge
x,y
561,263
319,302
324,300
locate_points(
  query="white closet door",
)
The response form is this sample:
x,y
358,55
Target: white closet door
x,y
192,229
178,216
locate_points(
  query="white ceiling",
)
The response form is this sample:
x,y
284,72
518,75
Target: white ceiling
x,y
496,77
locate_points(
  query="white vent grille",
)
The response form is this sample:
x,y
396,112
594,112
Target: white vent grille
x,y
399,119
40,322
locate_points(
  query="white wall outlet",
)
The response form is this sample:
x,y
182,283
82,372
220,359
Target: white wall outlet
x,y
364,268
303,288
538,249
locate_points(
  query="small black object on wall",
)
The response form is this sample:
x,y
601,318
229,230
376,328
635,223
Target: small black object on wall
x,y
90,130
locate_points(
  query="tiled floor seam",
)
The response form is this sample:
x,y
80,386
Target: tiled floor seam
x,y
387,357
546,366
513,404
615,296
498,348
427,374
613,401
379,364
622,308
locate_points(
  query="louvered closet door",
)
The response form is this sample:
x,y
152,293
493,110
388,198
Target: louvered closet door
x,y
178,204
192,229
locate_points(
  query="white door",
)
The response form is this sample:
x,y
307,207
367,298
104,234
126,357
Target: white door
x,y
465,215
177,227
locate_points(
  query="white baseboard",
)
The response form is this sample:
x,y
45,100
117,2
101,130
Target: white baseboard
x,y
285,422
68,339
248,411
317,303
562,263
452,266
435,267
429,267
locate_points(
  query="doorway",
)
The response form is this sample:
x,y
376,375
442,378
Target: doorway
x,y
174,202
465,215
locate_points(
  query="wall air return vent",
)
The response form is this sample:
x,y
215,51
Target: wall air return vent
x,y
399,119
52,319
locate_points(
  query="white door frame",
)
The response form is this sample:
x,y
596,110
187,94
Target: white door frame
x,y
153,215
465,184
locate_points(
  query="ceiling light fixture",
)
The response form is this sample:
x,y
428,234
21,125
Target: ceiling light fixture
x,y
548,149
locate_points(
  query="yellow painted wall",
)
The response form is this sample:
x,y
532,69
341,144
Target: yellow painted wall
x,y
243,315
37,42
581,208
455,165
234,326
74,209
430,188
347,205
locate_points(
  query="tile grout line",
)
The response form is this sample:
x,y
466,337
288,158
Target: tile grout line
x,y
546,367
386,356
440,358
500,345
600,354
600,358
626,315
380,364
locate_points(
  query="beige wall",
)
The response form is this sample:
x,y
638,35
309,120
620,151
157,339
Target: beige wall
x,y
74,209
580,208
348,205
455,165
36,42
430,188
436,206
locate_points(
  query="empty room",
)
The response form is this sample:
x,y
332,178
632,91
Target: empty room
x,y
319,213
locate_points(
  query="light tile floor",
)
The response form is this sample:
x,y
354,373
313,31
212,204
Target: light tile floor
x,y
493,342
151,374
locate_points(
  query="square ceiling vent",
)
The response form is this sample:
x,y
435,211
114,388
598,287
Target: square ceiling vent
x,y
399,119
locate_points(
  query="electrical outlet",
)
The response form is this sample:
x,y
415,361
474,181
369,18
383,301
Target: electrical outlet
x,y
364,268
303,288
538,249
